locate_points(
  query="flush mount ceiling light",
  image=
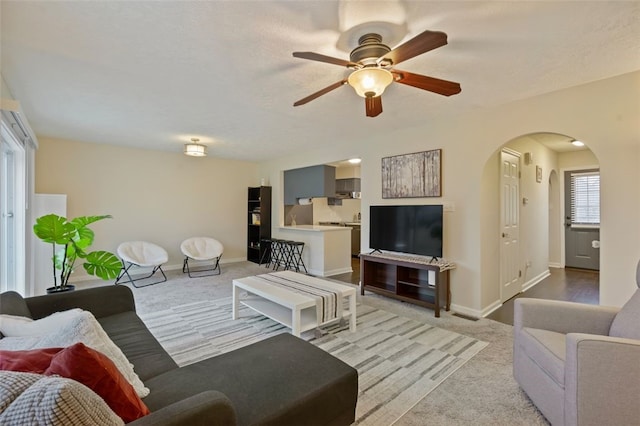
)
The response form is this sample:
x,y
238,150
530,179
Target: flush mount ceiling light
x,y
194,149
577,143
355,161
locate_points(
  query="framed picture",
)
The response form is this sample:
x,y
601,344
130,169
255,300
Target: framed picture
x,y
412,175
538,174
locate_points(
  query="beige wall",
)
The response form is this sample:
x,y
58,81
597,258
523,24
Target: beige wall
x,y
603,114
161,197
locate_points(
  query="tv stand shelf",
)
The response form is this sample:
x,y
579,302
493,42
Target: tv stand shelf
x,y
412,279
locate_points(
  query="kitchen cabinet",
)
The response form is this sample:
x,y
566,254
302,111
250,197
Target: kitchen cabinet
x,y
344,186
355,239
309,182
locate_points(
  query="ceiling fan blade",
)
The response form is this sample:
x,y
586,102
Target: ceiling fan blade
x,y
442,87
320,92
373,106
423,42
323,58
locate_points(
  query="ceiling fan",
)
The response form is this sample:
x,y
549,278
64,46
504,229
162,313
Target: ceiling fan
x,y
373,63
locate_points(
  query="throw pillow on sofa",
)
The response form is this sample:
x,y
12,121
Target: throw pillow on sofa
x,y
84,365
86,329
30,361
14,326
51,400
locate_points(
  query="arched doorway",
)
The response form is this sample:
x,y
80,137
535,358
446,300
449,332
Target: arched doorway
x,y
540,212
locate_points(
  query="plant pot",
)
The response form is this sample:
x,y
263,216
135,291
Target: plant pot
x,y
61,289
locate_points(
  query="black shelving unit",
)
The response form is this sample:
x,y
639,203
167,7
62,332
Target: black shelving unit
x,y
258,222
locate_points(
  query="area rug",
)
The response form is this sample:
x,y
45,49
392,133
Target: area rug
x,y
399,360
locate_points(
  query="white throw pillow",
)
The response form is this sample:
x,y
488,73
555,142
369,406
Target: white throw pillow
x,y
86,329
14,326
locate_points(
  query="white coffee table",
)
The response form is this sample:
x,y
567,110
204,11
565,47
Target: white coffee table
x,y
294,310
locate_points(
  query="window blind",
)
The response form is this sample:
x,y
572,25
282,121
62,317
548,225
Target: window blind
x,y
585,198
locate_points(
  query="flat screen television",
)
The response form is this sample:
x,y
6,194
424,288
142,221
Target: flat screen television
x,y
407,229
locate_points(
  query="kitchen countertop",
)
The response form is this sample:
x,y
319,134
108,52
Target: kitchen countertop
x,y
315,228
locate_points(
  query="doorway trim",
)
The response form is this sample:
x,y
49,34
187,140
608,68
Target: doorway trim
x,y
563,195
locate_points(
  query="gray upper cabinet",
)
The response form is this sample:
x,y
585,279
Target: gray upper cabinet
x,y
308,182
344,186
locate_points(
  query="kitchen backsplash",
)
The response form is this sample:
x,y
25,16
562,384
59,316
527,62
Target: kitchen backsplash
x,y
303,215
347,212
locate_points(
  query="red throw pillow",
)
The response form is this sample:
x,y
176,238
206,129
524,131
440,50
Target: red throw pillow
x,y
99,373
31,361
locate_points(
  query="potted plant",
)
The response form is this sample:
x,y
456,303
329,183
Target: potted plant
x,y
73,238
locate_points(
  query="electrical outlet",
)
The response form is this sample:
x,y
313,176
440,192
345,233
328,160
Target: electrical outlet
x,y
528,264
448,206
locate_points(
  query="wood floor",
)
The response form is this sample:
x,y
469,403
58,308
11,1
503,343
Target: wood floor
x,y
573,285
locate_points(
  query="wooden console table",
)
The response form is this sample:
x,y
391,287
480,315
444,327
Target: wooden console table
x,y
412,279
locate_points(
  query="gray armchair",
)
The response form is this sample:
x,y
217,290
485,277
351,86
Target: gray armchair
x,y
579,364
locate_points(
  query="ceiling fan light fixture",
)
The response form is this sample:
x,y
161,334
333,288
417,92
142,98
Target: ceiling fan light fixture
x,y
195,149
370,81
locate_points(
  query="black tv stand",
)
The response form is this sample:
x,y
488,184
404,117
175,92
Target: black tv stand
x,y
408,279
375,251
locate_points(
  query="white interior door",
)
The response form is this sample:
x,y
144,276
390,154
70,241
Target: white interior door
x,y
509,224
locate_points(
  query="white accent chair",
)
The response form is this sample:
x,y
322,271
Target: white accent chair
x,y
201,249
579,364
144,255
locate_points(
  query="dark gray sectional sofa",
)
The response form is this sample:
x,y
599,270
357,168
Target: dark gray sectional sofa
x,y
282,380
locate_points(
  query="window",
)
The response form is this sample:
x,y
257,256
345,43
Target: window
x,y
585,199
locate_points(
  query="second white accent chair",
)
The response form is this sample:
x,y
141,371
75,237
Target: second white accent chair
x,y
201,249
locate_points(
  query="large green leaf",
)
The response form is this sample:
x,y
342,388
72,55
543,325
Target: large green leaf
x,y
52,228
103,264
84,237
82,221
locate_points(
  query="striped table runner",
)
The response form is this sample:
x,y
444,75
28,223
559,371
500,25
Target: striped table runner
x,y
328,301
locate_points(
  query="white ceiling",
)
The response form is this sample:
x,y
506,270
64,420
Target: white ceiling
x,y
155,74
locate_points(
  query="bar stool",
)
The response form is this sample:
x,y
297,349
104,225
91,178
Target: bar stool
x,y
296,248
266,254
277,253
285,255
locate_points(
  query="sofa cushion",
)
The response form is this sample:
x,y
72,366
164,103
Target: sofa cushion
x,y
300,383
131,335
29,361
547,349
12,303
86,329
99,373
17,326
627,322
31,399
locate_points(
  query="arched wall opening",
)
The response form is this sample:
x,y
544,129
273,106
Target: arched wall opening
x,y
543,158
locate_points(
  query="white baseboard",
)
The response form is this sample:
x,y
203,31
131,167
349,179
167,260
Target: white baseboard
x,y
535,280
492,307
555,265
473,313
139,271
